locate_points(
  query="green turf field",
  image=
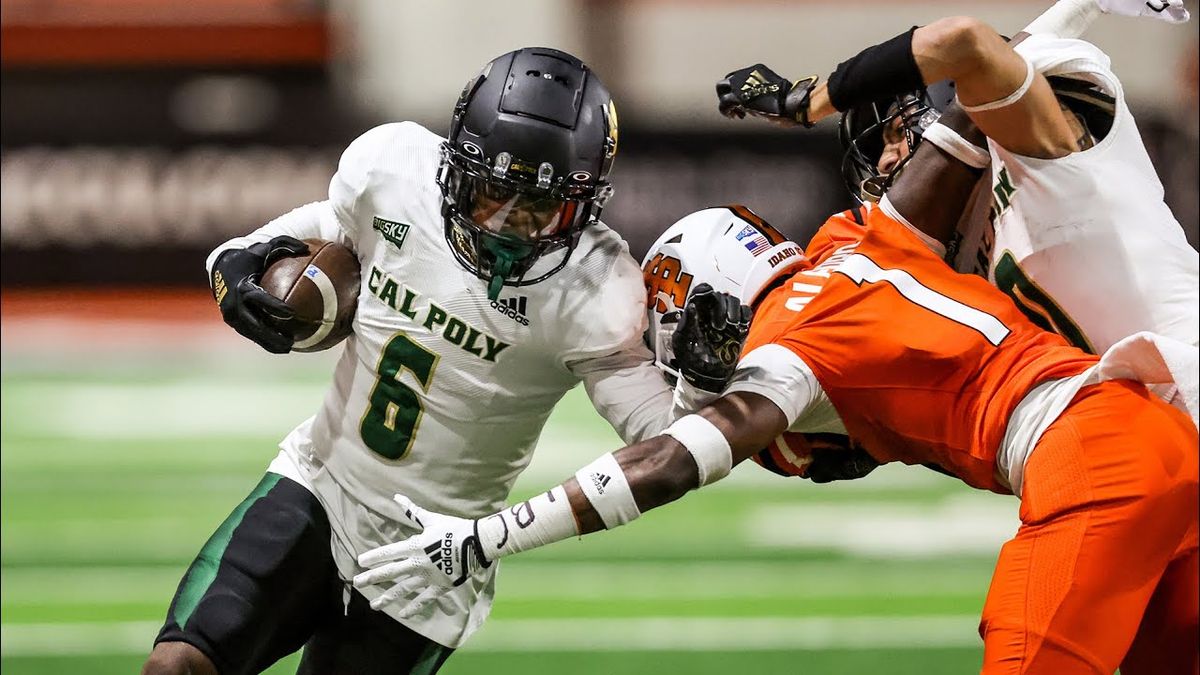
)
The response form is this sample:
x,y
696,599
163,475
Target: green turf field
x,y
115,471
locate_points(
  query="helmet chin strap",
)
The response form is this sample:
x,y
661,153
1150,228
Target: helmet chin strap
x,y
506,256
497,281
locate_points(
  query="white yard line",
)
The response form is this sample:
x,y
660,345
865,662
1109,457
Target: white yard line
x,y
666,633
967,523
270,409
531,580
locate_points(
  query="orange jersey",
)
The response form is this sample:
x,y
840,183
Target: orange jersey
x,y
923,365
843,228
791,453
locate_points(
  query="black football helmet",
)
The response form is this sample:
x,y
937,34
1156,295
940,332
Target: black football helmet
x,y
862,128
525,167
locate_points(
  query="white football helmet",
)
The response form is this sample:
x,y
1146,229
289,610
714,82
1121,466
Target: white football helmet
x,y
729,248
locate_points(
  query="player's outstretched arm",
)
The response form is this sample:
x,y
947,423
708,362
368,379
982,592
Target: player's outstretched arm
x,y
615,489
1008,100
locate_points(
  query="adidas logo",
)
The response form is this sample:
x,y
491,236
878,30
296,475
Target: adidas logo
x,y
441,554
600,481
757,85
755,80
513,308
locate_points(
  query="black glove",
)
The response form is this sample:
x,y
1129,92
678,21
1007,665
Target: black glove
x,y
245,306
836,457
708,339
760,91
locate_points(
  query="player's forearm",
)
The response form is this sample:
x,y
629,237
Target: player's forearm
x,y
696,450
820,105
611,491
936,212
958,48
658,472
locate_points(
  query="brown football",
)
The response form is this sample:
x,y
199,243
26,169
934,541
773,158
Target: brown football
x,y
321,287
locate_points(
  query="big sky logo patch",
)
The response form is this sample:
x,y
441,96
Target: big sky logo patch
x,y
391,230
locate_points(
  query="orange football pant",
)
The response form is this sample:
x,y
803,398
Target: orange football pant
x,y
1103,570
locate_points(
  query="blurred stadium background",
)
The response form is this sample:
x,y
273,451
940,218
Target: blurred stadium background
x,y
137,134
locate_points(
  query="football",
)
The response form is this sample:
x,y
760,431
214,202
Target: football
x,y
321,286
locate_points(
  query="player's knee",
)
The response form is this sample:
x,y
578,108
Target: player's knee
x,y
177,658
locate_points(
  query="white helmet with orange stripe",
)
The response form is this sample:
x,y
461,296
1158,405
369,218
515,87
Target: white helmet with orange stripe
x,y
729,248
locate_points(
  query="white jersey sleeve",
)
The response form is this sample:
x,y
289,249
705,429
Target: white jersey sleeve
x,y
609,314
311,221
628,391
602,342
359,167
778,374
332,219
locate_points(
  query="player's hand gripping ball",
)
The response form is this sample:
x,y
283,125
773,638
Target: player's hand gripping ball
x,y
245,306
319,287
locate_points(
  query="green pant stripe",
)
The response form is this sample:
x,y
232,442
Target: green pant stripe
x,y
429,660
202,573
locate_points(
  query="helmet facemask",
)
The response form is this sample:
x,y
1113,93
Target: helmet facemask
x,y
525,167
863,133
508,222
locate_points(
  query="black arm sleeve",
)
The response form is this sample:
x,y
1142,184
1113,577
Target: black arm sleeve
x,y
885,69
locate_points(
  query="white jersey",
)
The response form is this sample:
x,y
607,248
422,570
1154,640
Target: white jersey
x,y
1084,244
441,394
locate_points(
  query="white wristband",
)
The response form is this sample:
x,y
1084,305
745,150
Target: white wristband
x,y
1007,100
956,146
540,520
714,457
604,484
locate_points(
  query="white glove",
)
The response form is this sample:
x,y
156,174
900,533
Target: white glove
x,y
1171,11
445,554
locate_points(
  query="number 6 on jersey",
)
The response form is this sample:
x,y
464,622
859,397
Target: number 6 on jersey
x,y
394,409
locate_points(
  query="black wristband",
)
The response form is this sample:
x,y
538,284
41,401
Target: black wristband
x,y
886,69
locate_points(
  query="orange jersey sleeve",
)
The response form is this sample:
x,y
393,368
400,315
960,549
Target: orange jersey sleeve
x,y
923,365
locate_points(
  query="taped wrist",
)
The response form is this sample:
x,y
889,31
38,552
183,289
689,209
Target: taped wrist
x,y
1065,19
706,443
540,520
886,69
953,144
604,484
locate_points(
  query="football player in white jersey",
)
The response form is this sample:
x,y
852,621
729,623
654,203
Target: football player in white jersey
x,y
1073,228
489,289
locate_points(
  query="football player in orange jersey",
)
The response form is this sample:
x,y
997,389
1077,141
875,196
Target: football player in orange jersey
x,y
1071,182
1043,269
880,340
